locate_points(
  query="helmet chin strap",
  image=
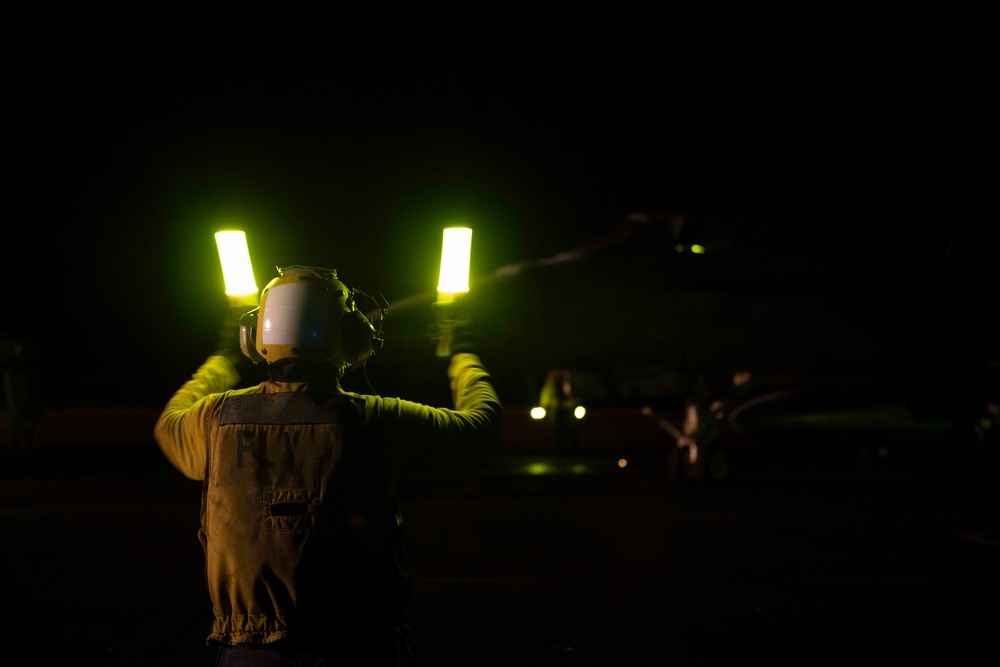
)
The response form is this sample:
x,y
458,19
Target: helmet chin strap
x,y
304,370
382,304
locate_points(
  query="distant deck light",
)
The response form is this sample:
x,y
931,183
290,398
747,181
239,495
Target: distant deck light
x,y
237,271
456,249
538,468
538,413
579,412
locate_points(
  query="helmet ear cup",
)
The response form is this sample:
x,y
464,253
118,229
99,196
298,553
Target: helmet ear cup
x,y
357,337
248,336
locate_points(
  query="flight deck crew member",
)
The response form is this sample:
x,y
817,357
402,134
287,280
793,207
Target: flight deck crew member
x,y
299,523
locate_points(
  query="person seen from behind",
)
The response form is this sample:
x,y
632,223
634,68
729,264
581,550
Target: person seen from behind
x,y
299,522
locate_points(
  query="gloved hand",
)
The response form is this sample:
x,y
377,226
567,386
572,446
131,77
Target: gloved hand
x,y
453,330
463,338
228,342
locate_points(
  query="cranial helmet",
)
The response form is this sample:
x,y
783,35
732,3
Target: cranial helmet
x,y
307,313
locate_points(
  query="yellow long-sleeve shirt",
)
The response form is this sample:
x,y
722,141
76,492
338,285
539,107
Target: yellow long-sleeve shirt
x,y
298,521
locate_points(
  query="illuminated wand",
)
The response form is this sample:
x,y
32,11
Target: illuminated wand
x,y
237,270
456,249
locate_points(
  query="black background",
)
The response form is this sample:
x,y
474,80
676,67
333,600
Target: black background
x,y
349,141
863,142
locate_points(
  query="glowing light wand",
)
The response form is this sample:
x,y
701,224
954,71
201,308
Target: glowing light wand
x,y
237,271
456,249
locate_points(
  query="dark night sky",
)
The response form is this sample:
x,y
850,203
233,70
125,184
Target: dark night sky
x,y
350,143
